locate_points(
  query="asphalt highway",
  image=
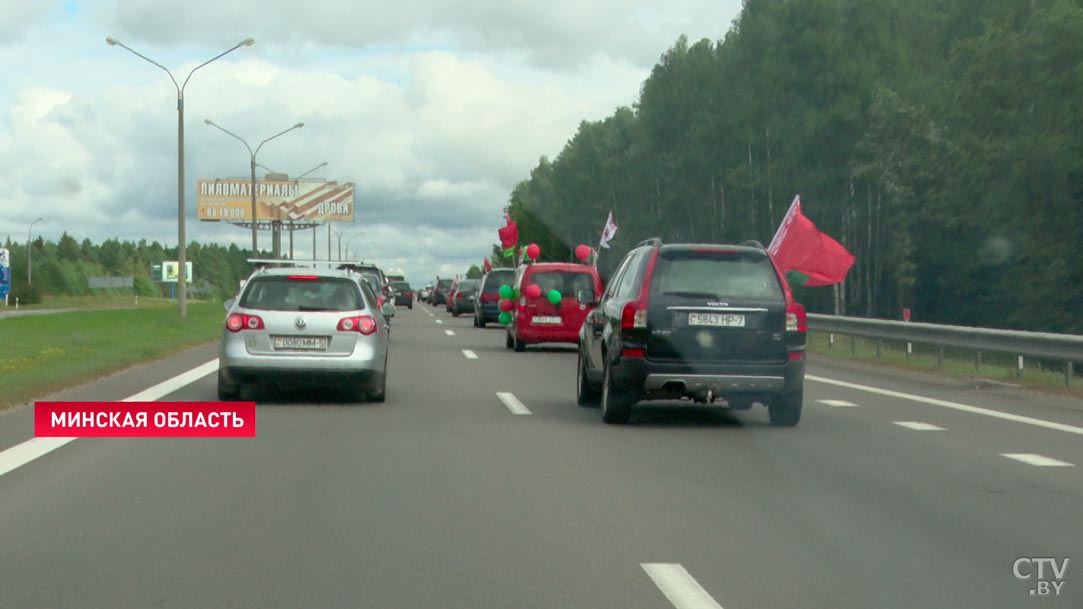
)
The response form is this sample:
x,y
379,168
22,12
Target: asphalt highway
x,y
481,484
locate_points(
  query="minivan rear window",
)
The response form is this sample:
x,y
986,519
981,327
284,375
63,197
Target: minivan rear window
x,y
569,283
496,279
716,274
319,294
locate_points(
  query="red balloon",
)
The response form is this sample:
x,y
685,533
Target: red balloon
x,y
506,305
533,291
582,252
533,251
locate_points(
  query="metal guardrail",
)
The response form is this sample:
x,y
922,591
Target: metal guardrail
x,y
1044,345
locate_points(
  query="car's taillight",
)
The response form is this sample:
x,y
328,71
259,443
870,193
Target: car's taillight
x,y
240,321
633,317
379,301
459,296
365,324
796,319
490,297
303,278
633,353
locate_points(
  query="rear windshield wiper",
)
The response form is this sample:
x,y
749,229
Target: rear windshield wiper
x,y
691,294
304,308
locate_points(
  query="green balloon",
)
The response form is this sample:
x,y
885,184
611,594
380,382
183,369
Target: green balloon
x,y
504,318
506,292
554,296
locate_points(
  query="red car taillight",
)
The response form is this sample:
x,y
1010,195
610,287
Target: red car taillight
x,y
796,318
490,297
380,301
459,296
633,317
240,321
365,324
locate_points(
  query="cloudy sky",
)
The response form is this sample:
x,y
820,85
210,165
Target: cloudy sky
x,y
434,109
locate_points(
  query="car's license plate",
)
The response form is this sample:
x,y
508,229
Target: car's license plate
x,y
300,343
543,319
723,320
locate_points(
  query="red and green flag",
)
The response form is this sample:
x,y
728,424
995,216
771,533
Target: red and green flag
x,y
509,236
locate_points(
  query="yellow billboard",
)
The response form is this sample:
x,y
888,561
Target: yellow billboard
x,y
230,200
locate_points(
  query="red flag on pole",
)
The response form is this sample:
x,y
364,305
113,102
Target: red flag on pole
x,y
799,246
486,266
509,235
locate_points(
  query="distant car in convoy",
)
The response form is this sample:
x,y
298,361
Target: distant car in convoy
x,y
404,294
464,297
488,304
305,326
424,293
439,292
704,322
537,319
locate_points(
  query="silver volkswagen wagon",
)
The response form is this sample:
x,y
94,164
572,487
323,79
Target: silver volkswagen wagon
x,y
302,327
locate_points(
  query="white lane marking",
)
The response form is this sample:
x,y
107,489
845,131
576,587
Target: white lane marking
x,y
470,354
1037,460
1015,418
838,403
919,426
449,332
679,587
24,453
513,404
168,386
439,321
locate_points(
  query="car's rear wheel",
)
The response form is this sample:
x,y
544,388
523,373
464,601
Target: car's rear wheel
x,y
616,402
378,393
508,340
227,391
785,410
518,344
585,395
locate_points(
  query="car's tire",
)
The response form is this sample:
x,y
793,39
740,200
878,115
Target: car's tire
x,y
585,395
508,342
480,322
455,312
227,391
377,395
785,410
616,403
518,344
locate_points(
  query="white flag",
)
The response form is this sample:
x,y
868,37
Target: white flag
x,y
608,232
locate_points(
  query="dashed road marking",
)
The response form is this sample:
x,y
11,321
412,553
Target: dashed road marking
x,y
1037,460
512,403
838,403
470,354
919,426
679,586
449,332
1007,416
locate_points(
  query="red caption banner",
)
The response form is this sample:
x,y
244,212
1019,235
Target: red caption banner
x,y
145,419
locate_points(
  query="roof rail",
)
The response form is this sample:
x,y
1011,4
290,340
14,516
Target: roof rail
x,y
651,241
752,243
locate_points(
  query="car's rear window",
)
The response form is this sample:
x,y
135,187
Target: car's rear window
x,y
318,294
494,281
568,283
468,284
716,273
402,286
443,283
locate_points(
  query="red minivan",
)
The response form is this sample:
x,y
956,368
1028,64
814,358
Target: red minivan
x,y
537,320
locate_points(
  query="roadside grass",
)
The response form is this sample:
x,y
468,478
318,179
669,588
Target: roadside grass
x,y
95,301
1045,376
41,354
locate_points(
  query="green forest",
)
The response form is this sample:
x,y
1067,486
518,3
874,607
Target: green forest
x,y
941,141
64,267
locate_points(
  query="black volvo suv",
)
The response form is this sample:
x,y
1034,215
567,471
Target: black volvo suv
x,y
705,322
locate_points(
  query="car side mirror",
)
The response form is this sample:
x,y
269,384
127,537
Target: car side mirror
x,y
229,303
585,297
388,309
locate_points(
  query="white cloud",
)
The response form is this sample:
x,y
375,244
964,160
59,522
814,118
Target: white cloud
x,y
435,112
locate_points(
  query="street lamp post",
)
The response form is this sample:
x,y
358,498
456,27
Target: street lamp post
x,y
182,280
30,254
253,154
